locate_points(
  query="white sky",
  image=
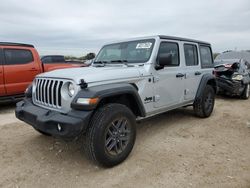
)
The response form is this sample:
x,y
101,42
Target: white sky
x,y
77,27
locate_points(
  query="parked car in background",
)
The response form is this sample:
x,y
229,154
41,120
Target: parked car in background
x,y
233,77
50,62
233,55
19,64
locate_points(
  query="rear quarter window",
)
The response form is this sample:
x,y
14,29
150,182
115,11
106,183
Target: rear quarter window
x,y
18,56
206,57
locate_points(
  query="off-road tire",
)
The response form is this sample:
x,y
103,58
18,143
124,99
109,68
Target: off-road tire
x,y
96,136
246,92
203,107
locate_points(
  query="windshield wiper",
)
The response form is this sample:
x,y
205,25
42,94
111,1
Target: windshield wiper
x,y
125,62
103,63
100,63
119,61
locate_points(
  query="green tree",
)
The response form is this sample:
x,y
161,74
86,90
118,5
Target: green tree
x,y
90,55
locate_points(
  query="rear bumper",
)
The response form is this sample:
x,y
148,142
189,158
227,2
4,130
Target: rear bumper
x,y
70,124
229,86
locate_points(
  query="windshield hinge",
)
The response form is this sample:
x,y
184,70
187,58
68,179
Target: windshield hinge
x,y
83,84
156,79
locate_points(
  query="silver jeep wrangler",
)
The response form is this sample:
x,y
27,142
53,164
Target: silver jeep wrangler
x,y
128,80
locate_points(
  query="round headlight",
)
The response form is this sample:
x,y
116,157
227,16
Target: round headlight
x,y
237,77
71,89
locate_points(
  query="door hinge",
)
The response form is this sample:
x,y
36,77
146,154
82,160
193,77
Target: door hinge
x,y
156,79
156,98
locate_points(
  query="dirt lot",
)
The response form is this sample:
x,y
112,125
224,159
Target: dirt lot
x,y
174,149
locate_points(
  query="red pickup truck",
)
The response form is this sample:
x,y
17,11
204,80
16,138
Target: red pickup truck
x,y
19,64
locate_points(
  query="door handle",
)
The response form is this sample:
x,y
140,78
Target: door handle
x,y
33,69
180,75
197,73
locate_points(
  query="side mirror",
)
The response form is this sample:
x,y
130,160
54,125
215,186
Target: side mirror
x,y
163,60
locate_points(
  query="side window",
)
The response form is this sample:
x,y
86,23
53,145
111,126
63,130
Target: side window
x,y
206,57
1,57
58,59
17,57
170,48
247,65
46,60
191,55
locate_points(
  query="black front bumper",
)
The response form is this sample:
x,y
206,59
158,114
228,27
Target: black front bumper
x,y
70,125
230,86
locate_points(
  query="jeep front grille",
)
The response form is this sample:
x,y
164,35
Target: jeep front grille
x,y
48,92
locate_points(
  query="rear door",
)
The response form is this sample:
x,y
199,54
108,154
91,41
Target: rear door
x,y
20,69
2,88
193,71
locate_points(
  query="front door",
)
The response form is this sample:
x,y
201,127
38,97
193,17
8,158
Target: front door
x,y
19,70
169,81
2,88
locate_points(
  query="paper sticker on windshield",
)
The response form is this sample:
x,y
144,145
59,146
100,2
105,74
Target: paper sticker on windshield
x,y
145,45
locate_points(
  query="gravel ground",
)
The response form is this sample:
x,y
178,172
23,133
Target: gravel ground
x,y
174,149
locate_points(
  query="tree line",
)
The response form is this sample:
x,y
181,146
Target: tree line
x,y
86,57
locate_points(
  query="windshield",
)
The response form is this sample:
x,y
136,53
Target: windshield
x,y
126,52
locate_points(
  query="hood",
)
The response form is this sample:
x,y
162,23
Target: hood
x,y
95,74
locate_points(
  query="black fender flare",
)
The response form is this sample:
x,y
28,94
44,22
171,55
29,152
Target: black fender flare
x,y
207,79
107,91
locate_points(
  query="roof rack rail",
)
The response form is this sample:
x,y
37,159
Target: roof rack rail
x,y
183,39
15,44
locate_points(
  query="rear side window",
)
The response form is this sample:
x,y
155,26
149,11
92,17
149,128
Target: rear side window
x,y
170,48
1,57
46,60
52,59
18,57
247,65
191,55
58,59
206,57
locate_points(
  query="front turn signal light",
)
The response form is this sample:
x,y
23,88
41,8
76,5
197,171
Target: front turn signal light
x,y
87,101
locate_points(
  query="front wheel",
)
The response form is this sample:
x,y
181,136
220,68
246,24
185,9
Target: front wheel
x,y
204,106
111,135
246,92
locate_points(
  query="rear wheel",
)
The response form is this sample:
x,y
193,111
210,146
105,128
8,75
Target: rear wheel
x,y
204,106
111,135
246,92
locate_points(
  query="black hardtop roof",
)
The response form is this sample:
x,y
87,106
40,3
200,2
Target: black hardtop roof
x,y
183,39
15,44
